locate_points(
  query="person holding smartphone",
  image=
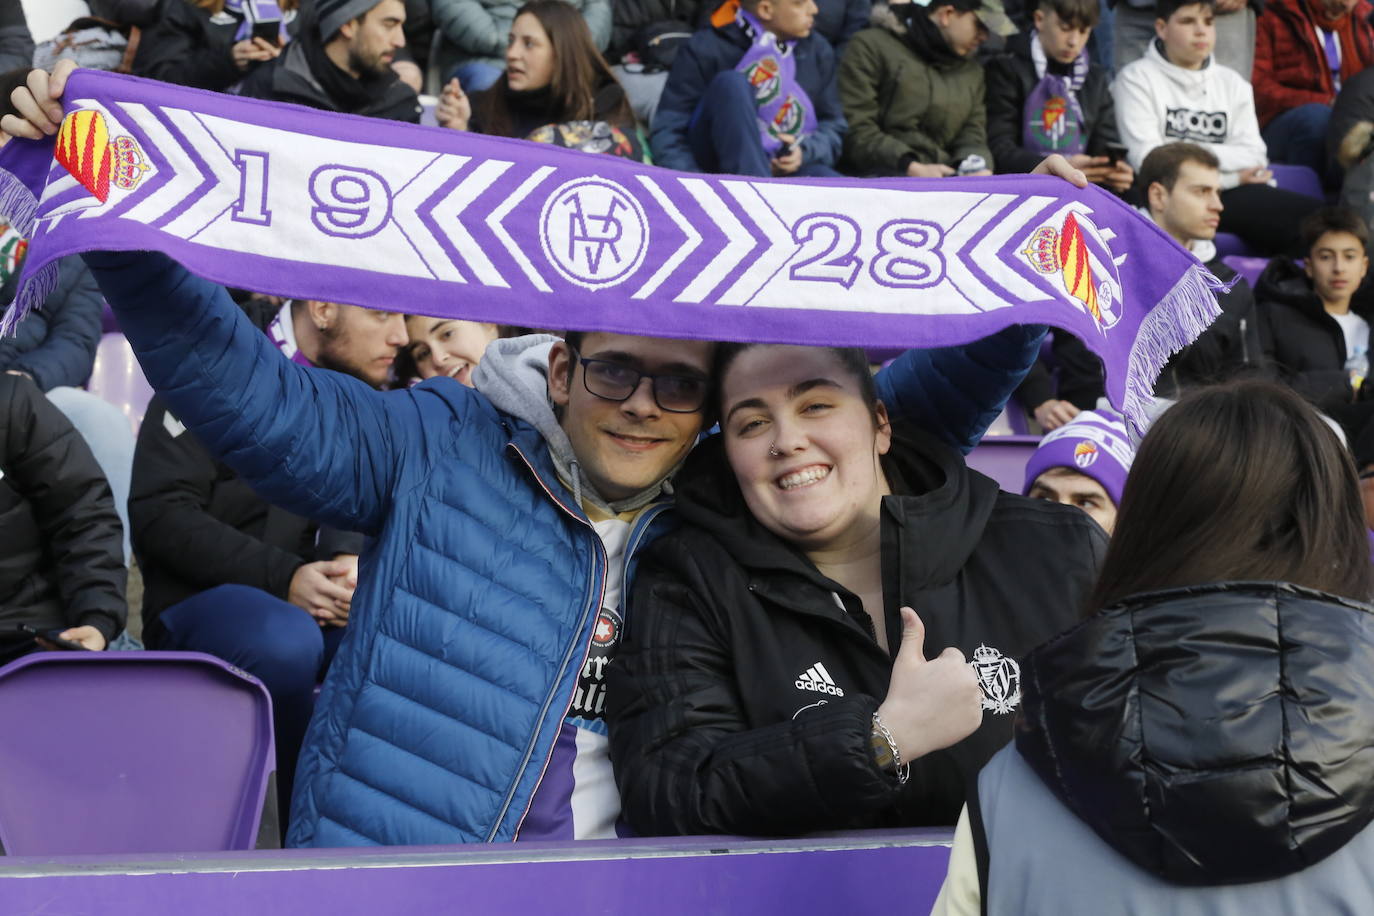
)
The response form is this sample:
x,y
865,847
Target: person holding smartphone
x,y
1046,96
211,44
62,573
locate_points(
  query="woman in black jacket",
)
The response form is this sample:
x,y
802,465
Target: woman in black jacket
x,y
557,88
773,678
1205,743
61,545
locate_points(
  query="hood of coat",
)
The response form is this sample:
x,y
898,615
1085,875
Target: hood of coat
x,y
1189,82
913,26
932,489
1212,735
514,376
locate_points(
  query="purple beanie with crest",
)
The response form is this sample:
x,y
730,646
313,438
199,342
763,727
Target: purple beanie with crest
x,y
1094,444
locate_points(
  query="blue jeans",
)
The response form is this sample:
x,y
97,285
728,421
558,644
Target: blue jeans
x,y
724,132
1298,137
276,642
475,76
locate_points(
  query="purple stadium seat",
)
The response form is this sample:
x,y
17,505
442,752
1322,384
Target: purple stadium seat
x,y
132,752
1299,179
1249,268
118,379
1003,458
109,324
1229,245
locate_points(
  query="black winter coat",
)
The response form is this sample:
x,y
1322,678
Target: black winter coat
x,y
741,699
195,524
187,46
1010,79
304,75
1230,348
1211,735
61,544
1304,343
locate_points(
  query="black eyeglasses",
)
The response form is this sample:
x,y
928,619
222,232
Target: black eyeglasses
x,y
617,382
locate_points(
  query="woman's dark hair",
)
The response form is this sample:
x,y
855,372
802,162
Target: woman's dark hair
x,y
1243,481
853,360
579,72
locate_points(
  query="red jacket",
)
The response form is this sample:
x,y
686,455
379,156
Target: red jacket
x,y
1290,62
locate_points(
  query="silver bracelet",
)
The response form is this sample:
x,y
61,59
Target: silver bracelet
x,y
903,769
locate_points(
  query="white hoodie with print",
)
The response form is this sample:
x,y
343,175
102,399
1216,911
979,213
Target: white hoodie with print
x,y
1158,102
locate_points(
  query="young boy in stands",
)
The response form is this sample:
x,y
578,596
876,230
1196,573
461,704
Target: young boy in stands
x,y
1313,325
1045,96
913,92
1083,463
1181,183
754,94
1178,92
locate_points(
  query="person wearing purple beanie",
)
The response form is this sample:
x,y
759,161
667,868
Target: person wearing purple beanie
x,y
1083,463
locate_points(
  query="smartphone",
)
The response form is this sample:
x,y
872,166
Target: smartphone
x,y
269,31
51,636
786,149
1116,152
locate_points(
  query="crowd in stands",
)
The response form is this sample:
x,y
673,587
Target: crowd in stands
x,y
767,668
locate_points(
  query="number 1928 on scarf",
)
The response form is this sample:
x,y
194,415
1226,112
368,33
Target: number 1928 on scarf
x,y
308,204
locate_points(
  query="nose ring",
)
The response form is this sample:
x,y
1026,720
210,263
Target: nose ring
x,y
773,450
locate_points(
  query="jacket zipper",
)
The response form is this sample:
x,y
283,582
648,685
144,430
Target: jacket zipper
x,y
600,589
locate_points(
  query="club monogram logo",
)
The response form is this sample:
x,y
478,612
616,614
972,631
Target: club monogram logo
x,y
594,232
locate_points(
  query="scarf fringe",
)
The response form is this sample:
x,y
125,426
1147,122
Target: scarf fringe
x,y
1184,313
21,206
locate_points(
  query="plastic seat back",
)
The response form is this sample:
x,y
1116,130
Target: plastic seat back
x,y
118,378
133,752
1003,458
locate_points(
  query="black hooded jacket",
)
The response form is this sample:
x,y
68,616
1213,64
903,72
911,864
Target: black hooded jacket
x,y
1213,735
1304,343
741,699
61,544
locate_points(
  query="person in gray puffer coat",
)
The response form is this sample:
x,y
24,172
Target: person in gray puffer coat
x,y
1204,744
476,32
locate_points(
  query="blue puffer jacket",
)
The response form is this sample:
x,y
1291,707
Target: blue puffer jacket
x,y
714,50
478,593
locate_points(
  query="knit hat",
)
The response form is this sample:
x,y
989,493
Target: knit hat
x,y
332,14
1094,444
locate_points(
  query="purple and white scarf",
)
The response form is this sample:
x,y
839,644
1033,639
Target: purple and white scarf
x,y
314,205
255,11
282,332
770,66
1053,117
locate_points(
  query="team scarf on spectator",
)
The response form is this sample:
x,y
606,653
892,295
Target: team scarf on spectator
x,y
282,333
1054,119
313,205
254,11
770,66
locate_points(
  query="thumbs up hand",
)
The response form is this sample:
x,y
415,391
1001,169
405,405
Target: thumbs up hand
x,y
933,703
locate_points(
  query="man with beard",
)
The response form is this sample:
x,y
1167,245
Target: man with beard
x,y
341,61
226,573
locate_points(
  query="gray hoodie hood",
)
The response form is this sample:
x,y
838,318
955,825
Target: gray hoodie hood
x,y
514,376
